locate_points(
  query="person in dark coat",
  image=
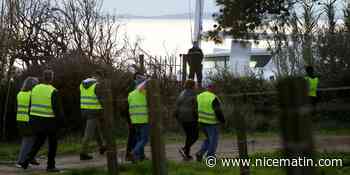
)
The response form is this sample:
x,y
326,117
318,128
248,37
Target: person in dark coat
x,y
194,60
186,114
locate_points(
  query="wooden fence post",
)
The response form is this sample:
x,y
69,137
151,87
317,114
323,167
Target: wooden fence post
x,y
242,138
142,63
295,123
107,128
157,144
184,68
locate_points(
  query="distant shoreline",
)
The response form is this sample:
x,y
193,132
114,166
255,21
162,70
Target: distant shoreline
x,y
175,16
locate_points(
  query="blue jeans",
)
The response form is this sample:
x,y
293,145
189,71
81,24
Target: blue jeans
x,y
142,134
211,142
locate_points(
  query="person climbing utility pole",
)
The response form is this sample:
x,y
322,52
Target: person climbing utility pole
x,y
194,60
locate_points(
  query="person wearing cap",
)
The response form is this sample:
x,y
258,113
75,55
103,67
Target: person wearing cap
x,y
92,110
138,112
186,115
312,82
22,117
195,58
138,79
45,117
209,116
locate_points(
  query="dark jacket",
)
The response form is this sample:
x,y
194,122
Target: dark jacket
x,y
186,108
218,112
195,55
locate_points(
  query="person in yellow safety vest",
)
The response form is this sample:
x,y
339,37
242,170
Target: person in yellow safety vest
x,y
91,110
46,118
138,113
209,116
313,83
22,117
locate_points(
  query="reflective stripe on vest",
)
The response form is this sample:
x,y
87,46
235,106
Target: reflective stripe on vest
x,y
23,100
88,98
138,107
41,101
312,84
206,113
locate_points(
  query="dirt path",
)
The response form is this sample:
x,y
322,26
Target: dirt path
x,y
226,148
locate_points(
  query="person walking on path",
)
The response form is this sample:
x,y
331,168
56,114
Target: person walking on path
x,y
186,115
138,79
138,112
46,117
313,83
22,117
91,110
209,116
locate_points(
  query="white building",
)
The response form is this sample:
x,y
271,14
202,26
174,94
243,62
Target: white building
x,y
241,60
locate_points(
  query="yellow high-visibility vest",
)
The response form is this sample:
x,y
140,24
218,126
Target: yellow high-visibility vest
x,y
138,107
88,98
206,113
41,101
23,100
312,84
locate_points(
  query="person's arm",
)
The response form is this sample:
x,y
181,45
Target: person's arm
x,y
99,93
57,107
218,112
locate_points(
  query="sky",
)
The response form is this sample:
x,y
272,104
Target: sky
x,y
154,7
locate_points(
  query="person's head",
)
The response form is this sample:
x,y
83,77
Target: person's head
x,y
48,76
211,87
309,70
190,84
139,78
29,83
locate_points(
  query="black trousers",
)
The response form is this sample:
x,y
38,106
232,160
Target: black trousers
x,y
131,138
196,69
44,129
191,131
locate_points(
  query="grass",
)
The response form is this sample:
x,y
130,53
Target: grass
x,y
195,168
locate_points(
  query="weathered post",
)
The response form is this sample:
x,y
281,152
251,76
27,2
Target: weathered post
x,y
184,67
107,128
142,63
296,124
242,136
157,144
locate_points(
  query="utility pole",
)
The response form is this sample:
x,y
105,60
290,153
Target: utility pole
x,y
198,22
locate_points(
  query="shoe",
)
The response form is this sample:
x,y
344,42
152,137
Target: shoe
x,y
199,157
52,170
188,158
18,165
103,150
128,156
34,162
85,157
182,152
24,165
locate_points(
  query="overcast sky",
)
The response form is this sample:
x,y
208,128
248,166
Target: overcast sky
x,y
154,7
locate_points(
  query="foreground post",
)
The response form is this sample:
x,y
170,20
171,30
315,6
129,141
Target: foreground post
x,y
107,129
242,137
296,124
157,144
